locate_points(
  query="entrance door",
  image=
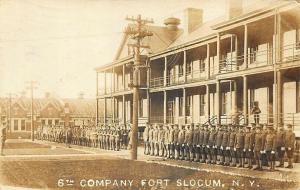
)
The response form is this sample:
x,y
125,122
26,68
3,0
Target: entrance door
x,y
171,112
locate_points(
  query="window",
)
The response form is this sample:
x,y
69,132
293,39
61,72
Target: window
x,y
202,65
43,122
180,106
49,122
224,103
180,70
189,67
23,125
56,122
16,124
202,104
188,105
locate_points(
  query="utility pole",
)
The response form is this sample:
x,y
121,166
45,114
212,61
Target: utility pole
x,y
31,86
137,33
10,96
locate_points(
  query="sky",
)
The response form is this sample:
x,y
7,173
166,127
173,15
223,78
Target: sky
x,y
59,43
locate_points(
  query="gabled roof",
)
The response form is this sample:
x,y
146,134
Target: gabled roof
x,y
161,39
81,107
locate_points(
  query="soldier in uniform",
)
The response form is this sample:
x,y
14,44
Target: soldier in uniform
x,y
248,146
171,142
155,137
165,141
290,139
202,147
231,144
69,137
225,150
117,138
181,136
264,155
239,146
270,147
196,145
161,140
2,137
212,159
176,152
205,144
258,147
189,143
280,144
151,141
146,139
219,139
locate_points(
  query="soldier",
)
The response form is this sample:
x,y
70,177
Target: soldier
x,y
146,139
258,147
231,144
171,141
125,137
264,155
151,141
270,147
117,139
239,146
2,137
161,140
289,145
191,150
196,145
166,141
202,147
181,136
69,137
248,146
225,159
280,144
176,152
188,140
205,144
219,139
212,159
156,143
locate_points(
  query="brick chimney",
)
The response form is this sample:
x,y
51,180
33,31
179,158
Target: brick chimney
x,y
234,8
193,18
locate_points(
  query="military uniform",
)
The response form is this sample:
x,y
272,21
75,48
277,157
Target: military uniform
x,y
231,146
218,145
171,145
156,142
181,138
239,146
212,146
146,139
176,142
151,141
280,145
258,147
290,139
196,145
225,147
270,147
165,141
188,141
205,144
202,146
248,147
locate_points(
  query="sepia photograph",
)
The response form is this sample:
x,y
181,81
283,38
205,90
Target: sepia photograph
x,y
150,94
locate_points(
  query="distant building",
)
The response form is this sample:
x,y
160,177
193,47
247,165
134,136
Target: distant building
x,y
47,111
212,71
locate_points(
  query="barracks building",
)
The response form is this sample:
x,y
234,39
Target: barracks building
x,y
47,111
212,71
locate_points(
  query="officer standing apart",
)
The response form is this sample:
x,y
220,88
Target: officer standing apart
x,y
3,137
290,139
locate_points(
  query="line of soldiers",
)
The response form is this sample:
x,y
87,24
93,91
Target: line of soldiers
x,y
109,137
228,145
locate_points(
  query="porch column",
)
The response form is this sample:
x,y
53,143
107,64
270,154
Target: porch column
x,y
236,53
123,77
104,111
165,72
218,102
184,66
184,104
245,46
113,79
97,94
113,109
245,99
278,44
234,101
97,111
208,61
207,101
165,106
148,105
218,54
279,98
124,109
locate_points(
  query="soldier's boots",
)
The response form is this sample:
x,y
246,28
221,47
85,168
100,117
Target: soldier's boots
x,y
233,162
259,165
197,157
281,163
249,163
290,165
